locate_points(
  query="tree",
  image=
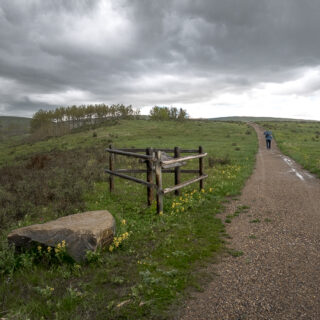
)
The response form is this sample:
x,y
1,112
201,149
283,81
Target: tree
x,y
165,113
182,115
160,113
40,118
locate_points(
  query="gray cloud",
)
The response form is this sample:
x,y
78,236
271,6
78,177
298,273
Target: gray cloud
x,y
147,52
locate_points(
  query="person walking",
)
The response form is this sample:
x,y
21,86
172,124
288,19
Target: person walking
x,y
268,136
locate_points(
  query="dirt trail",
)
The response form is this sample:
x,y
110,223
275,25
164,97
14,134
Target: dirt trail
x,y
278,275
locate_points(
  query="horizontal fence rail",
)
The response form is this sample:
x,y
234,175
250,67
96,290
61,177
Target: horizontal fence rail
x,y
184,184
155,150
157,163
173,161
129,154
124,176
164,170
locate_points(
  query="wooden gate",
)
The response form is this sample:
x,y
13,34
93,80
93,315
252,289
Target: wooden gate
x,y
158,162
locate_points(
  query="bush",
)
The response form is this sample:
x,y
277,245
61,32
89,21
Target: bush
x,y
49,185
222,161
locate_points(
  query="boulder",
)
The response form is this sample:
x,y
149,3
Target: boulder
x,y
81,232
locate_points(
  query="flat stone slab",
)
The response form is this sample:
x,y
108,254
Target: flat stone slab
x,y
81,232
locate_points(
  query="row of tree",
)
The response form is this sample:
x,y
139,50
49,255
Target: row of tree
x,y
62,120
76,116
165,113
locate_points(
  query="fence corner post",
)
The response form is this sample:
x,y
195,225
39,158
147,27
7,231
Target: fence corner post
x,y
111,167
159,183
149,152
177,170
201,168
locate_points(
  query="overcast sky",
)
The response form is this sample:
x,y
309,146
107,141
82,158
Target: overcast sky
x,y
211,57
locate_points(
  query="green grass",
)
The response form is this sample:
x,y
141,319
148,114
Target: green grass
x,y
235,253
255,221
300,141
151,271
240,209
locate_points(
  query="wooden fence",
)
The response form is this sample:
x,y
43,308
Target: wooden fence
x,y
157,163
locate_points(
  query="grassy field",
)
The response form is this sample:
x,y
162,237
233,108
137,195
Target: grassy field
x,y
155,259
300,141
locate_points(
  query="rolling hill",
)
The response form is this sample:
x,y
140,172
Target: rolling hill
x,y
13,126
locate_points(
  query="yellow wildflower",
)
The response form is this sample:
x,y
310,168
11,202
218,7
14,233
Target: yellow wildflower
x,y
123,221
202,190
56,250
49,249
161,213
39,248
63,243
111,248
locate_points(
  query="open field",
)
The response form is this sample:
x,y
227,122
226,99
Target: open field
x,y
300,141
150,272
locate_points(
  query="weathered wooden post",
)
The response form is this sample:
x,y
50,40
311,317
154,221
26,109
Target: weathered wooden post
x,y
177,170
159,182
201,167
111,167
149,152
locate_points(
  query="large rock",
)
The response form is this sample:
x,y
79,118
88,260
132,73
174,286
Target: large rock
x,y
81,232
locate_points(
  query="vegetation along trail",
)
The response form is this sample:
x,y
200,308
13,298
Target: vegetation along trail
x,y
277,240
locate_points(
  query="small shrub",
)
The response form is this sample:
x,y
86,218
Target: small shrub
x,y
37,162
94,134
222,161
93,257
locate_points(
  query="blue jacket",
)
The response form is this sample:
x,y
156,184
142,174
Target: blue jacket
x,y
268,135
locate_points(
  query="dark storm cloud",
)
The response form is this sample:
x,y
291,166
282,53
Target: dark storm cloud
x,y
141,52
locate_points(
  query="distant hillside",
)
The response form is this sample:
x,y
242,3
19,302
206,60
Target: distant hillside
x,y
254,119
13,126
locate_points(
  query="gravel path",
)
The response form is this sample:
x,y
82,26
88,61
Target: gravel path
x,y
278,275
